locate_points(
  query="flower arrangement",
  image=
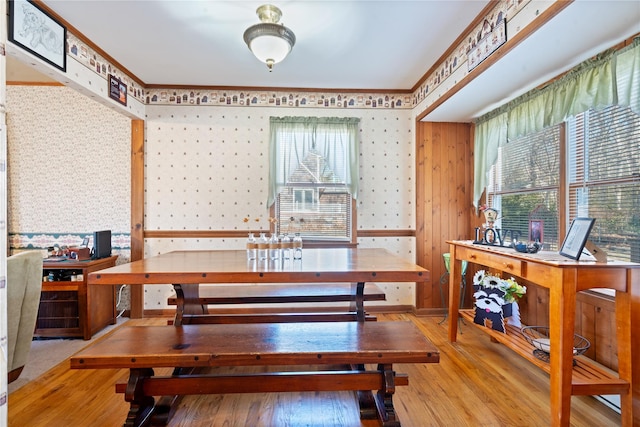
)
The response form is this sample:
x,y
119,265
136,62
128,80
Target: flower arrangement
x,y
510,287
292,223
247,218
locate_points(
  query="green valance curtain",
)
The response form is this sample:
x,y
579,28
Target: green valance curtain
x,y
611,79
292,139
485,154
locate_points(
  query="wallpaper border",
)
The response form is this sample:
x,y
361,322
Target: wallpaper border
x,y
119,241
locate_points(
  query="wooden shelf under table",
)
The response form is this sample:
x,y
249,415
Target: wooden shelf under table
x,y
589,377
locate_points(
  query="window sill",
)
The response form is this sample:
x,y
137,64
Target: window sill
x,y
319,244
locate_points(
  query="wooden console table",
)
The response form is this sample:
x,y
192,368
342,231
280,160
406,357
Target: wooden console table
x,y
565,278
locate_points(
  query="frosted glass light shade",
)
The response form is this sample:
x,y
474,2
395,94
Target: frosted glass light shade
x,y
270,48
269,41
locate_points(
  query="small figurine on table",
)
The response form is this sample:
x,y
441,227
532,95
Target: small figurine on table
x,y
490,215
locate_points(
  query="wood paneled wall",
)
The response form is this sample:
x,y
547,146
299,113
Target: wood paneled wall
x,y
137,212
444,208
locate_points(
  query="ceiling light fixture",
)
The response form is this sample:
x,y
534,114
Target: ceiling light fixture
x,y
269,41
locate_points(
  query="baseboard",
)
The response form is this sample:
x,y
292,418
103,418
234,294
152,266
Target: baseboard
x,y
429,311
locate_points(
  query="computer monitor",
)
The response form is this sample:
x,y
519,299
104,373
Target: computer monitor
x,y
101,244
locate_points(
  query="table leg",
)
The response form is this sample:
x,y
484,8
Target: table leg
x,y
627,315
187,302
359,300
455,267
366,401
167,405
562,309
633,276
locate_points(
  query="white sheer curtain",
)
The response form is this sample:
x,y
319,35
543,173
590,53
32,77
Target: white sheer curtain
x,y
294,138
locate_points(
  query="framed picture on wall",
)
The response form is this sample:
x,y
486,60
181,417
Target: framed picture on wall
x,y
489,43
536,230
577,237
117,90
37,32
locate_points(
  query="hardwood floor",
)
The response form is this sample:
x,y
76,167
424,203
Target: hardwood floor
x,y
476,383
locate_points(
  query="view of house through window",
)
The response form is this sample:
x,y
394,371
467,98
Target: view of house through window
x,y
603,181
314,203
524,186
312,160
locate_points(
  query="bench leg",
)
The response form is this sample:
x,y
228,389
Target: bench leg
x,y
140,406
166,406
366,402
379,405
384,402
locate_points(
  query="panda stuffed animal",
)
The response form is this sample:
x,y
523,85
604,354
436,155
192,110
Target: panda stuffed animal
x,y
488,307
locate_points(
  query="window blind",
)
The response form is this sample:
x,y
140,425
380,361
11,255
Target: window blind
x,y
604,178
523,185
312,171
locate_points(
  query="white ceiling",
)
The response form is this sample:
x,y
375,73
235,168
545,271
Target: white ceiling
x,y
340,44
368,45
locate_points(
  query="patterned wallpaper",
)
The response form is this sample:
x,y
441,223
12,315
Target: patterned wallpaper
x,y
207,169
88,57
68,169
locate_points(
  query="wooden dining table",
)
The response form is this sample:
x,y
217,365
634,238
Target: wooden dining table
x,y
186,270
354,344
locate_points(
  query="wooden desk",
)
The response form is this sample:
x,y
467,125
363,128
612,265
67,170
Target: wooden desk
x,y
188,346
564,278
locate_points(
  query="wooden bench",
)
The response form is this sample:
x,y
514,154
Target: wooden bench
x,y
190,349
198,298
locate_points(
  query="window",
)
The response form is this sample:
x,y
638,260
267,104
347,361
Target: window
x,y
305,199
524,186
313,176
603,181
604,178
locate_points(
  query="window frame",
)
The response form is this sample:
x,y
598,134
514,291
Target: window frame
x,y
495,192
282,225
580,180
